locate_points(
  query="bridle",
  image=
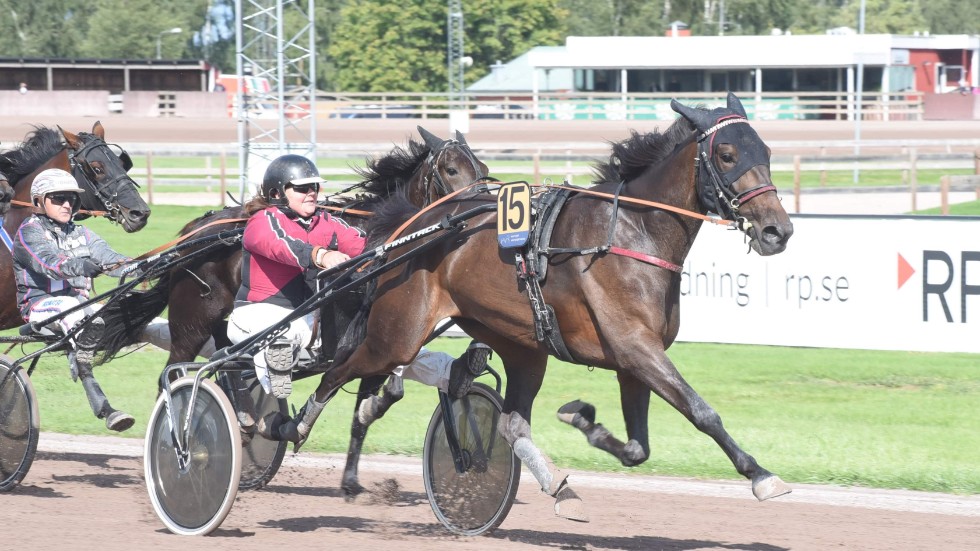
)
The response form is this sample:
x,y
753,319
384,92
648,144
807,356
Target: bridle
x,y
432,163
107,192
720,197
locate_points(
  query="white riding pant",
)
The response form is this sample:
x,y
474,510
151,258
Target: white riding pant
x,y
253,318
52,306
429,367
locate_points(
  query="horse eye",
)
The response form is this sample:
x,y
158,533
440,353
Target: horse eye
x,y
452,171
728,158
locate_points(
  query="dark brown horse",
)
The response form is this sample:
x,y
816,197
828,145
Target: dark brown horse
x,y
612,281
98,167
201,294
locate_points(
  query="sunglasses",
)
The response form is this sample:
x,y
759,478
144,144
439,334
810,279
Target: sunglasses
x,y
305,188
59,199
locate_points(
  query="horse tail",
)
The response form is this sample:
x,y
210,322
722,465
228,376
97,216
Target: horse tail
x,y
126,318
388,217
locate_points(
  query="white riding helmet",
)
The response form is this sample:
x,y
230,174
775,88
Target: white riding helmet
x,y
52,180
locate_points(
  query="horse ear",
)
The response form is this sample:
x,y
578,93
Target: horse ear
x,y
71,139
460,138
98,130
696,116
431,140
734,104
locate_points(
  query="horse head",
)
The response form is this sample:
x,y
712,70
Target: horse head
x,y
450,166
733,177
6,194
101,170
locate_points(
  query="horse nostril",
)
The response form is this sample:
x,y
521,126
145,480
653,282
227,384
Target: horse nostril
x,y
777,234
138,215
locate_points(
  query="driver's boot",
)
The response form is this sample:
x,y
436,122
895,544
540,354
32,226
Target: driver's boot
x,y
115,420
279,360
466,368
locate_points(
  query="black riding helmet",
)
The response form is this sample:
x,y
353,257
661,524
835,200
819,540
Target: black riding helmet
x,y
288,170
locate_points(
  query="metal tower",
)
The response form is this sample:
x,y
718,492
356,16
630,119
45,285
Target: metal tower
x,y
276,99
454,33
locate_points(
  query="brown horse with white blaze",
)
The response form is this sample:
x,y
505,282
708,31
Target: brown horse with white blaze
x,y
615,306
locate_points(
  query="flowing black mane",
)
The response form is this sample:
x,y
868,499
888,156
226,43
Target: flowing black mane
x,y
630,157
40,145
383,176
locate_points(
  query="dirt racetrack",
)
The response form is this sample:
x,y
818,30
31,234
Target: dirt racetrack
x,y
88,493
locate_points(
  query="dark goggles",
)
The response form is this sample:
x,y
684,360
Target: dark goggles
x,y
59,199
305,188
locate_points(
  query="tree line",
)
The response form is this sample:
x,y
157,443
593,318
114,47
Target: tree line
x,y
379,45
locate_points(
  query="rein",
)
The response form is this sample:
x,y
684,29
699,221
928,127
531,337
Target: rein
x,y
25,204
188,235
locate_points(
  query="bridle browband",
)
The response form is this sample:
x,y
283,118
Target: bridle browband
x,y
720,197
108,192
432,162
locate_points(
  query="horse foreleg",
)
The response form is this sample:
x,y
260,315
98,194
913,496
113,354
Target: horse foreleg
x,y
368,408
581,415
668,383
553,481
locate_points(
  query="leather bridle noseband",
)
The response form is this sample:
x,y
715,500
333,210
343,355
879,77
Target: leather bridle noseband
x,y
108,192
720,197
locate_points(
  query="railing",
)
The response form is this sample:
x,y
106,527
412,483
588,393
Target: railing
x,y
616,106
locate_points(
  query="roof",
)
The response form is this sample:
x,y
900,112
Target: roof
x,y
699,52
517,75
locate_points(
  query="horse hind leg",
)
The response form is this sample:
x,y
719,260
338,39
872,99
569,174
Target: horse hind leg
x,y
581,415
553,481
368,408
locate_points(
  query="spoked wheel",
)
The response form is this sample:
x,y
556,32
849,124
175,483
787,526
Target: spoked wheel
x,y
193,494
476,500
19,425
261,458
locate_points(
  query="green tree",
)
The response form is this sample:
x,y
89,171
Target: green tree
x,y
952,16
41,28
882,16
128,29
379,45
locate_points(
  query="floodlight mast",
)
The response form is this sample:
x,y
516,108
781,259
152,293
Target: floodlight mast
x,y
276,96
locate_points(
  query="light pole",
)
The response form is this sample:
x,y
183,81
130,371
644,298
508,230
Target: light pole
x,y
175,30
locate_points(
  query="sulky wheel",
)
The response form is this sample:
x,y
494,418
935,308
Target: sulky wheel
x,y
477,500
19,424
193,491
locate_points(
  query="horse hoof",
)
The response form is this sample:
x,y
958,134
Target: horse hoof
x,y
119,421
633,454
769,486
569,506
268,426
577,413
351,491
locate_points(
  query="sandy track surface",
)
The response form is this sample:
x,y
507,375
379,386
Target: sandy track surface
x,y
88,492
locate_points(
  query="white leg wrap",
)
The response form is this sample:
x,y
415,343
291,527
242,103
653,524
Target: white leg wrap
x,y
547,474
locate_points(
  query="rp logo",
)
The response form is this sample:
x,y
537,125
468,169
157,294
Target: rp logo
x,y
939,273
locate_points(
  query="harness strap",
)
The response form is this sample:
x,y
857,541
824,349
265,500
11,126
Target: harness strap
x,y
646,203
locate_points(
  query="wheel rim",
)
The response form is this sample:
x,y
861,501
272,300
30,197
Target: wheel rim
x,y
18,427
475,501
194,498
